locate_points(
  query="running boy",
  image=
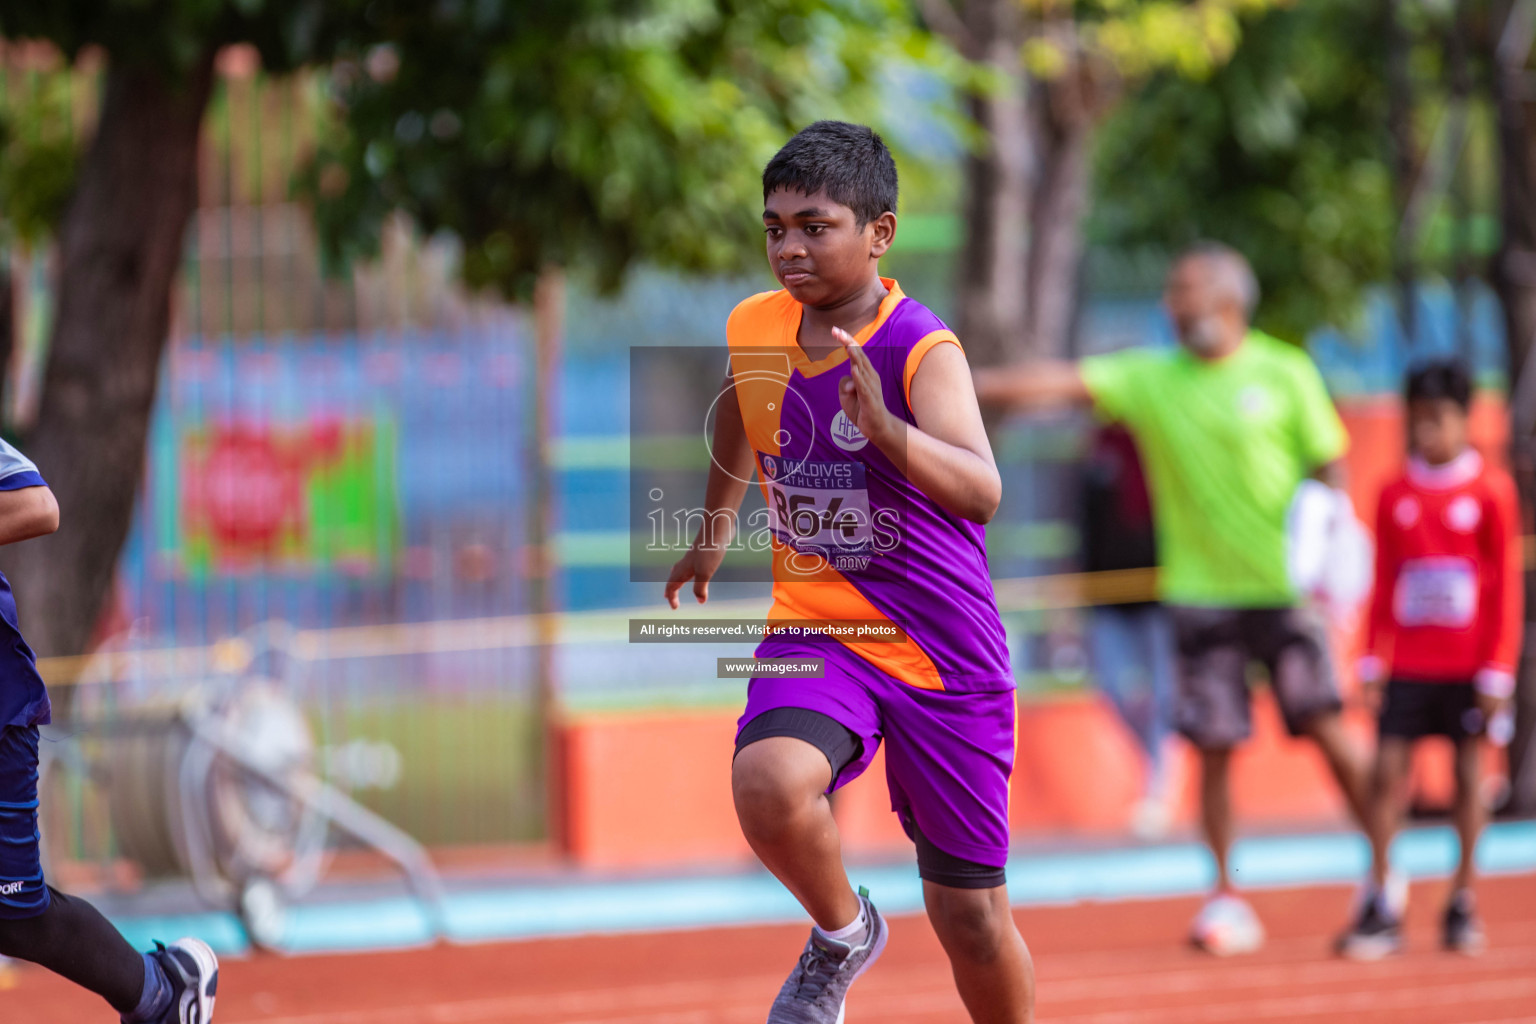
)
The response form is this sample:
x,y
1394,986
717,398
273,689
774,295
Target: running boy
x,y
174,985
1444,638
853,404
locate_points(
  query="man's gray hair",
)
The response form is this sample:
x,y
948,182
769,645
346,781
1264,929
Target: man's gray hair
x,y
1231,268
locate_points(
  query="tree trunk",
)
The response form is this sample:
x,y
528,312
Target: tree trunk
x,y
1514,278
992,259
119,249
1063,114
1404,164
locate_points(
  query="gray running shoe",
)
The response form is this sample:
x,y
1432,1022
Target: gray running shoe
x,y
818,986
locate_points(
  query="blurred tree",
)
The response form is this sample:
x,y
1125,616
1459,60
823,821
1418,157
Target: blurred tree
x,y
1054,70
543,133
993,255
591,134
1282,153
119,243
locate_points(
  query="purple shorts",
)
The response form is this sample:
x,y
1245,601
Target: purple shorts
x,y
948,756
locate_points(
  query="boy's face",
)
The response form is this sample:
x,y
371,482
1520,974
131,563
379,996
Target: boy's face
x,y
816,247
1437,429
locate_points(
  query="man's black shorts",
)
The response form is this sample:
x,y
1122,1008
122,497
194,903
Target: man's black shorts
x,y
1215,647
1411,709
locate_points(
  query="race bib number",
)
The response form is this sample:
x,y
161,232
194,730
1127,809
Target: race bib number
x,y
1436,592
819,507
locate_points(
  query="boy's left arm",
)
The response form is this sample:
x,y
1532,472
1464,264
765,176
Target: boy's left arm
x,y
948,456
1503,601
27,506
27,512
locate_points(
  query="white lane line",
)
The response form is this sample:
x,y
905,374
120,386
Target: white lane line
x,y
1323,972
1332,1005
930,989
925,981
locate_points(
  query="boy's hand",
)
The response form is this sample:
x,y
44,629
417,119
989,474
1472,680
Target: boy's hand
x,y
1498,718
862,398
1494,689
1491,706
700,565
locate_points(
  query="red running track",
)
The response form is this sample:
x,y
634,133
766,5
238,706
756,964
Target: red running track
x,y
1109,963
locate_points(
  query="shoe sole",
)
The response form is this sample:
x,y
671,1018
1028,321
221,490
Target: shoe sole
x,y
1227,949
1370,950
207,978
880,940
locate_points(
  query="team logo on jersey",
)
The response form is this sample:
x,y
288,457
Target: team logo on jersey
x,y
1406,512
1253,401
770,466
1464,514
845,433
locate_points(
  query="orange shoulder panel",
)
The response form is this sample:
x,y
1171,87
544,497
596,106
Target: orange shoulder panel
x,y
915,356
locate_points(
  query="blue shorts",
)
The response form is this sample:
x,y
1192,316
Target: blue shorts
x,y
22,892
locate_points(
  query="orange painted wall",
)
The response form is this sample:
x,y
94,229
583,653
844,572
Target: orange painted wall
x,y
653,789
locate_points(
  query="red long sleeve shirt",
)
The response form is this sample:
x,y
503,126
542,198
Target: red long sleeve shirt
x,y
1449,593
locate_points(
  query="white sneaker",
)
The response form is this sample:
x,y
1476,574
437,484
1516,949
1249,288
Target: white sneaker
x,y
1227,926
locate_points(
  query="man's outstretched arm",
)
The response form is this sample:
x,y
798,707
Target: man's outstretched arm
x,y
1033,385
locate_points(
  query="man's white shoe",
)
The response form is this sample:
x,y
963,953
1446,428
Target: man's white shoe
x,y
1227,926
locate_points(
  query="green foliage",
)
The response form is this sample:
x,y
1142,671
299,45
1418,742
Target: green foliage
x,y
1281,153
39,149
591,134
1137,37
174,35
38,154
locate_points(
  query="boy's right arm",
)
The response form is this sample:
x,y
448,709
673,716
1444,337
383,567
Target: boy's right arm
x,y
730,470
1033,385
27,512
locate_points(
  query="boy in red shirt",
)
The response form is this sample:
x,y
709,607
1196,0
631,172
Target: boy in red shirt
x,y
1444,638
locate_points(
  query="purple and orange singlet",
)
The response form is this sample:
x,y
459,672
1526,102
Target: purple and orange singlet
x,y
852,538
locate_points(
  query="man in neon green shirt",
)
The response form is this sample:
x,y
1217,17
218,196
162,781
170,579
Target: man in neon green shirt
x,y
1229,424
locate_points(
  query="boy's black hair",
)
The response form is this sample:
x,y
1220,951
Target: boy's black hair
x,y
850,161
1442,378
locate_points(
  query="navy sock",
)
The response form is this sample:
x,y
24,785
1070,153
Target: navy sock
x,y
156,998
